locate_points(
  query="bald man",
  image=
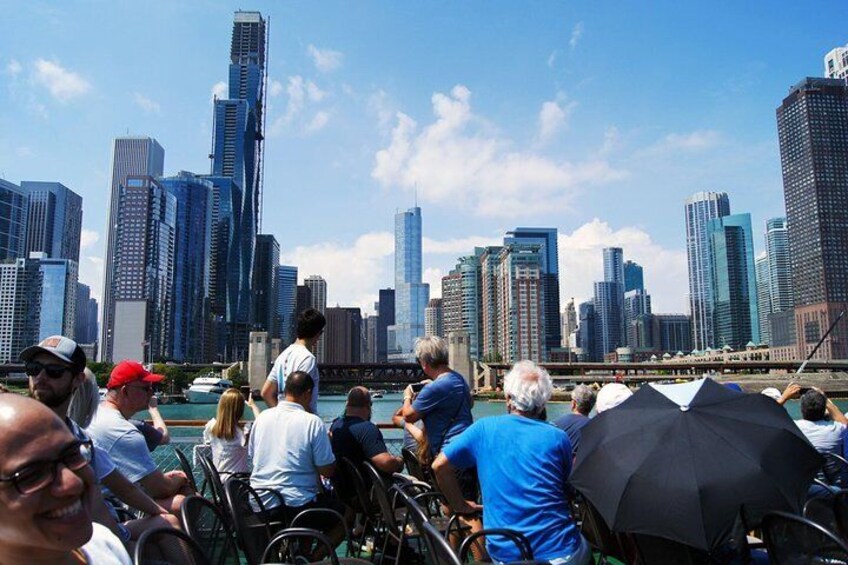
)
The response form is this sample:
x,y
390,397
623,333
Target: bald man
x,y
46,491
354,435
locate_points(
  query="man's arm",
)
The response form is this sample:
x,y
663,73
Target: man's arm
x,y
387,463
407,411
833,410
327,470
129,493
446,478
158,422
162,485
792,391
269,392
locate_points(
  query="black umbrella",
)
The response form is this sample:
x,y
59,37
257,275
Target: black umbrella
x,y
684,469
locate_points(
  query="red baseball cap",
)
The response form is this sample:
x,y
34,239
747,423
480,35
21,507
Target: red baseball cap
x,y
127,372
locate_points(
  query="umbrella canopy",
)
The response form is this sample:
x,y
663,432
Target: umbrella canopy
x,y
682,461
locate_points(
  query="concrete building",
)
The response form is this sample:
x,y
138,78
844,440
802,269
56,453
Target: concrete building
x,y
492,348
779,278
761,265
433,322
569,322
836,63
318,300
521,303
343,335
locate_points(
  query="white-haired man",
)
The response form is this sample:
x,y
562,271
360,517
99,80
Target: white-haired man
x,y
523,464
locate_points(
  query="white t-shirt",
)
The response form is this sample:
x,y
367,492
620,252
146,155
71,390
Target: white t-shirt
x,y
102,464
295,357
122,442
104,548
228,455
287,445
825,435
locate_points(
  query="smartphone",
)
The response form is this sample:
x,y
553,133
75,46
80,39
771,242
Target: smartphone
x,y
805,390
245,392
416,387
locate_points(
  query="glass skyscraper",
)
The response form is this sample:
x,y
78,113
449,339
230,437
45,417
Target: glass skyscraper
x,y
761,264
736,319
287,302
609,317
56,309
13,219
385,319
266,285
54,220
318,300
633,277
411,295
700,208
461,306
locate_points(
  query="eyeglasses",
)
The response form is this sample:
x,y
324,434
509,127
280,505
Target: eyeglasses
x,y
36,476
149,389
54,371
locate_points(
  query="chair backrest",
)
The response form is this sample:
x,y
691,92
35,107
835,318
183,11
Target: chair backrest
x,y
835,470
840,511
521,542
792,539
205,524
380,494
353,477
821,510
413,465
248,517
299,545
168,545
213,479
596,531
439,551
186,467
328,519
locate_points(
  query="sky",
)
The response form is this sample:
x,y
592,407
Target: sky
x,y
598,118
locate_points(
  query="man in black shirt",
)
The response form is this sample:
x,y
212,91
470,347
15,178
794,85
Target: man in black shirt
x,y
354,435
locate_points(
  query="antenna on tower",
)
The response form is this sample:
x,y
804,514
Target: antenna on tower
x,y
415,195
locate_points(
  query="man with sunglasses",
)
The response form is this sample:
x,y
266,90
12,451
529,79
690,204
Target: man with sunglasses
x,y
55,369
46,490
130,387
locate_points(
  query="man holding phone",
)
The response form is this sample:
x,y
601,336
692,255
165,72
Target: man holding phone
x,y
822,422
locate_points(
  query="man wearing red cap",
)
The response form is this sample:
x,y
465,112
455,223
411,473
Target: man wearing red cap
x,y
130,387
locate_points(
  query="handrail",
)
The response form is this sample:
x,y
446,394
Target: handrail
x,y
202,423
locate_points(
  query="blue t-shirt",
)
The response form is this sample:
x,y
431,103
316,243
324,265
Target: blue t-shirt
x,y
522,465
572,424
445,399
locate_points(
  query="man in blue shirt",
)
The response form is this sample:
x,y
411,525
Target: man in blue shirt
x,y
582,402
523,464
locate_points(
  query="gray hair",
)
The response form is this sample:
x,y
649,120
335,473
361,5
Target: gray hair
x,y
84,401
528,386
584,398
432,350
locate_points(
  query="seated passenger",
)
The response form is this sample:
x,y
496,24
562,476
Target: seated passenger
x,y
226,436
46,490
582,402
822,422
523,464
130,387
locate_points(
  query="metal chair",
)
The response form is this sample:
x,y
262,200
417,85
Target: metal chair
x,y
840,511
388,527
250,519
521,542
299,545
186,467
368,514
413,465
792,539
821,511
327,519
213,479
835,470
162,546
204,522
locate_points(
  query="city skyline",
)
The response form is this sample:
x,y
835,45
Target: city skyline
x,y
344,111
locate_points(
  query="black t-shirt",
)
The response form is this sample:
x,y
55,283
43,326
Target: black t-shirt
x,y
357,439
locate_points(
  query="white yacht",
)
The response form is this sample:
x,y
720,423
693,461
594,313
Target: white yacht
x,y
207,390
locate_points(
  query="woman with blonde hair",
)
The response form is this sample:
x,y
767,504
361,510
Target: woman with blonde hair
x,y
225,434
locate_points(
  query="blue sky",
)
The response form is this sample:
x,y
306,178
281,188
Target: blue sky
x,y
598,118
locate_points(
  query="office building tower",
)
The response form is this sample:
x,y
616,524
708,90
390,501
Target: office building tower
x,y
433,318
131,156
836,63
614,265
462,301
237,146
700,208
20,298
569,322
761,266
54,220
302,302
81,328
613,273
318,300
587,324
57,304
266,287
13,220
451,302
143,271
637,302
780,280
671,333
370,339
546,238
736,320
812,124
411,295
190,332
287,303
385,319
633,277
609,317
490,315
521,303
343,335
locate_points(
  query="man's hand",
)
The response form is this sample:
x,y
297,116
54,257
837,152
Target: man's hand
x,y
468,507
177,474
408,393
153,402
792,391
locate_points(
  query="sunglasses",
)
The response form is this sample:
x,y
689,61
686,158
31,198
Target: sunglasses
x,y
149,389
54,371
35,476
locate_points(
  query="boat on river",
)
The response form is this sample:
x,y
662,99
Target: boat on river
x,y
207,390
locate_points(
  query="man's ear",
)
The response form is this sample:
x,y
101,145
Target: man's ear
x,y
78,379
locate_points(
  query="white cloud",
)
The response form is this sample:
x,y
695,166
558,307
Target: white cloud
x,y
14,67
354,272
552,59
219,90
276,88
612,139
148,105
454,161
581,264
459,247
318,122
301,93
23,151
91,274
692,142
433,277
64,85
576,34
553,117
325,60
381,105
88,238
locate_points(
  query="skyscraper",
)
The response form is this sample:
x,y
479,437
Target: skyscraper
x,y
385,318
637,303
587,325
546,238
318,300
56,307
609,317
492,348
780,269
13,220
20,299
433,318
461,301
138,156
85,327
521,303
761,264
614,265
190,332
836,63
700,208
736,319
344,335
633,278
411,295
238,150
287,302
812,123
54,220
569,322
266,287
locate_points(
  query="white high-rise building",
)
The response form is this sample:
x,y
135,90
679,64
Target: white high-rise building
x,y
836,63
318,292
764,295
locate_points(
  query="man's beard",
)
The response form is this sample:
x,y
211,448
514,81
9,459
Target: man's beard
x,y
51,398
